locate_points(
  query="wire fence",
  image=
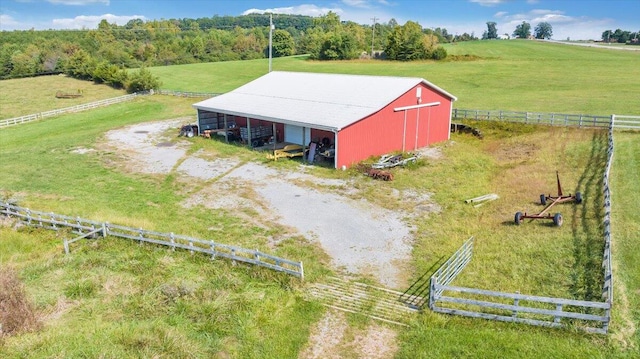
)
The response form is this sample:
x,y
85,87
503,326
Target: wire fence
x,y
85,228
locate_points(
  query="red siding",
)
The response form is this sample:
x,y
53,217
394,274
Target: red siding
x,y
382,132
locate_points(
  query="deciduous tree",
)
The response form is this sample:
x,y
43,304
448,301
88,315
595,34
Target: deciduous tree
x,y
543,31
523,31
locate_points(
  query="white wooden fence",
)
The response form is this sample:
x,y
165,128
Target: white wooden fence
x,y
554,119
91,229
626,122
187,93
60,111
607,287
534,117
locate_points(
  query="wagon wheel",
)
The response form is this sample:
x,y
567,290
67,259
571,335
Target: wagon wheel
x,y
543,200
578,197
518,218
557,219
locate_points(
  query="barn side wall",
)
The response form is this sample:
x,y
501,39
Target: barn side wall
x,y
383,132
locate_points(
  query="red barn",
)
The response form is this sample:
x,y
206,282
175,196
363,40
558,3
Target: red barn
x,y
360,116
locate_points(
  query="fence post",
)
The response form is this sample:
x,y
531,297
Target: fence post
x,y
613,118
141,236
432,292
66,246
556,319
173,241
516,302
301,272
104,230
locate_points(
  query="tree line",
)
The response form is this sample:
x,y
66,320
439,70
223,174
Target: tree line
x,y
104,54
543,30
621,36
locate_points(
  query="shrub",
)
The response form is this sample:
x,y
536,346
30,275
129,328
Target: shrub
x,y
16,311
142,80
439,53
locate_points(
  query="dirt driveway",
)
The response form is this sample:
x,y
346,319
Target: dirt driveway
x,y
360,237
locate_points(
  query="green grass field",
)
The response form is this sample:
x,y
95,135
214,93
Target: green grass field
x,y
507,75
17,95
116,299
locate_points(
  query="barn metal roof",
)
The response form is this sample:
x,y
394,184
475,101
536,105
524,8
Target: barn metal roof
x,y
323,101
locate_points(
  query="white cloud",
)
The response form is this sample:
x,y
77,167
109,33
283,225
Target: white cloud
x,y
79,2
305,9
488,2
7,22
91,22
500,14
357,3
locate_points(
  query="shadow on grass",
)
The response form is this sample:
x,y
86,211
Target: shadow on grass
x,y
586,226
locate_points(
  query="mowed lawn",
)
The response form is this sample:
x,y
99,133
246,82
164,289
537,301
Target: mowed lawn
x,y
517,75
144,302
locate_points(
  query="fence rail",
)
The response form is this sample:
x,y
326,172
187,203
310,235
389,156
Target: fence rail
x,y
77,108
607,287
187,93
86,228
626,122
534,117
528,309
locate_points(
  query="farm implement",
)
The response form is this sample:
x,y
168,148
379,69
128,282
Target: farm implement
x,y
550,201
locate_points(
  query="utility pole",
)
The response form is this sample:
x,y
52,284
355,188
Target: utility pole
x,y
373,33
270,38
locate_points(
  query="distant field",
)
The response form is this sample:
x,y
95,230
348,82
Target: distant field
x,y
30,95
508,75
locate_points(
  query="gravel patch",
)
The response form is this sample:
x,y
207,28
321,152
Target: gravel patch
x,y
204,169
360,237
142,140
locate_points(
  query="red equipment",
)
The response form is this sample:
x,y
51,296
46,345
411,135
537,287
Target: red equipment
x,y
557,218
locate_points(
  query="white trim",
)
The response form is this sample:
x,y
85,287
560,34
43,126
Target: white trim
x,y
450,115
416,106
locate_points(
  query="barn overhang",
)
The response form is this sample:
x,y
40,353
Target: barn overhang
x,y
269,118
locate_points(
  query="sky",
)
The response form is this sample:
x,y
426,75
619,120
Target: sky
x,y
576,20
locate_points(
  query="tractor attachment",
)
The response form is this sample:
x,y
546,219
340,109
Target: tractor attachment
x,y
552,200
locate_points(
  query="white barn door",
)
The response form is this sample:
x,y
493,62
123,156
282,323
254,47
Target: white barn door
x,y
293,134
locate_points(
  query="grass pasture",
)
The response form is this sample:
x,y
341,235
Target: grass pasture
x,y
517,75
17,95
116,299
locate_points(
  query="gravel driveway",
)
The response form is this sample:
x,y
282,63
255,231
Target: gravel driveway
x,y
360,237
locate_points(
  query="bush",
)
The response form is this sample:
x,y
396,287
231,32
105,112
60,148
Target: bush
x,y
16,311
142,80
439,53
